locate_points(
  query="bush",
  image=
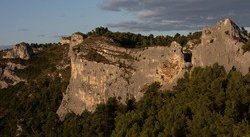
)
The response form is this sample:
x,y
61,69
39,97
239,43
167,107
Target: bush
x,y
246,46
131,40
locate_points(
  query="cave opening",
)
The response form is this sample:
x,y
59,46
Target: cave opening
x,y
188,57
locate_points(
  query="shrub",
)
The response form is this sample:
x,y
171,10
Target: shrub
x,y
246,46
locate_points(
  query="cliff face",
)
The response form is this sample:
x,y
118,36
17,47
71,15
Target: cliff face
x,y
21,50
222,44
100,69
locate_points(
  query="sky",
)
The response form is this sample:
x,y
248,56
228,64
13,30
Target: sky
x,y
45,21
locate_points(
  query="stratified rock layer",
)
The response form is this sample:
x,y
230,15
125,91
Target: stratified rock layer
x,y
100,69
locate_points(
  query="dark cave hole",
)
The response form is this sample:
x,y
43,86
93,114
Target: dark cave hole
x,y
187,57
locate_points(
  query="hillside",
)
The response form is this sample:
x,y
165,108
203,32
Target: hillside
x,y
123,84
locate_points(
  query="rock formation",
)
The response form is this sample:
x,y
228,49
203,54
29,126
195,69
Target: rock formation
x,y
21,50
7,75
100,69
222,44
65,40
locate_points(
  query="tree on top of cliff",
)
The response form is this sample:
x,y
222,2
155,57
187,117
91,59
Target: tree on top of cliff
x,y
131,40
101,31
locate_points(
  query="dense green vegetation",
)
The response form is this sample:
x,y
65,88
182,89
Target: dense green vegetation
x,y
33,104
95,56
131,40
207,102
246,46
45,62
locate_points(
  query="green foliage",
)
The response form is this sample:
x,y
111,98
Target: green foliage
x,y
1,53
95,56
32,105
209,102
97,124
44,62
195,35
99,31
244,31
246,46
131,40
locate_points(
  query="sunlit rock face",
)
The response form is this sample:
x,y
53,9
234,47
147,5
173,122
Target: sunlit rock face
x,y
8,68
100,69
21,50
65,40
222,44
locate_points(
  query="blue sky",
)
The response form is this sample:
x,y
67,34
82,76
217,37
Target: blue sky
x,y
41,21
46,20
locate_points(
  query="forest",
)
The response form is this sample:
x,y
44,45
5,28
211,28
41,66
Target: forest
x,y
207,102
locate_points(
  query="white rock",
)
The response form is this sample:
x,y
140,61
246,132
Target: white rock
x,y
21,50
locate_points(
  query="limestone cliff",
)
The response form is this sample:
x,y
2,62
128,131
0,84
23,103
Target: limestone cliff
x,y
21,50
222,44
100,69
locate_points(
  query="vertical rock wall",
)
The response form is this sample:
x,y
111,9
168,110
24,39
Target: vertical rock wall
x,y
222,44
116,72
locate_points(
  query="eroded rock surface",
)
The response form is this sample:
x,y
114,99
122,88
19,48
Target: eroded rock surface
x,y
8,76
222,44
65,40
21,50
100,69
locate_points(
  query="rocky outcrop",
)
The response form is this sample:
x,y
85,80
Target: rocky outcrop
x,y
21,50
222,44
7,75
100,69
77,38
65,40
